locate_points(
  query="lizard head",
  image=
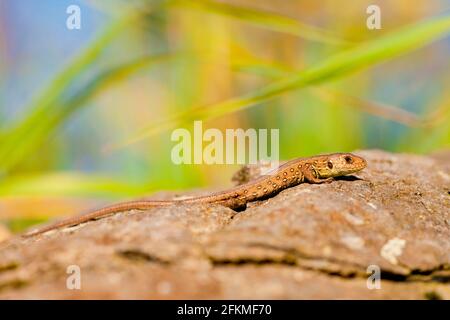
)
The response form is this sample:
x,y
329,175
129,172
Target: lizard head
x,y
339,164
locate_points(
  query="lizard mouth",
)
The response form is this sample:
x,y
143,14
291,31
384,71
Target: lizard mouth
x,y
355,167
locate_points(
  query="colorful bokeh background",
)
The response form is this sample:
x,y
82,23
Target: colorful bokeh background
x,y
86,115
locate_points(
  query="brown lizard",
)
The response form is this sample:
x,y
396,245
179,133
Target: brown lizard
x,y
317,169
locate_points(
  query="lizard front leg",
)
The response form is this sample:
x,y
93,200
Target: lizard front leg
x,y
311,176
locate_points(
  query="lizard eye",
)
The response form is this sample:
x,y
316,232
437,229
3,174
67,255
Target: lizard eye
x,y
330,164
348,159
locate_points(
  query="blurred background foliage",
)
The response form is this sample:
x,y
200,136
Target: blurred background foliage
x,y
86,115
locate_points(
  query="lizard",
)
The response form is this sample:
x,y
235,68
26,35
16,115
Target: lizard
x,y
315,169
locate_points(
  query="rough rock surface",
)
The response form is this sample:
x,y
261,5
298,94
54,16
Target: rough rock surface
x,y
310,241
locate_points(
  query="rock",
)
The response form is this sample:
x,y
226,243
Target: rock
x,y
310,241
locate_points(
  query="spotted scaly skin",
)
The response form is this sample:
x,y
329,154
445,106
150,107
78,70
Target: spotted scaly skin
x,y
316,169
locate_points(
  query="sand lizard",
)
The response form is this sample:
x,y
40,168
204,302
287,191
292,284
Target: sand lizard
x,y
316,169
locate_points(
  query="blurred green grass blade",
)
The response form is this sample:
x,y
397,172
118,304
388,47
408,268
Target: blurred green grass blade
x,y
378,109
39,126
51,93
17,140
264,19
359,57
68,184
262,68
268,69
335,97
12,137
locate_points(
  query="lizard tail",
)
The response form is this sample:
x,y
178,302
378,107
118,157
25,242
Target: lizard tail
x,y
100,213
